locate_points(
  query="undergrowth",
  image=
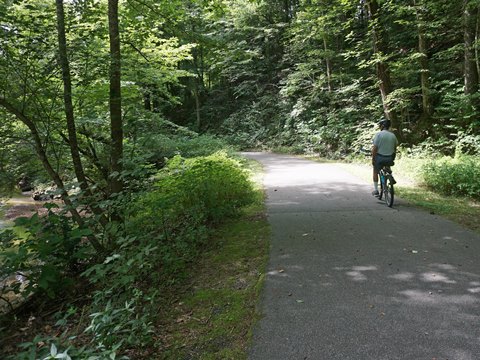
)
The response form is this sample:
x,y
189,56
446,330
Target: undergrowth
x,y
166,231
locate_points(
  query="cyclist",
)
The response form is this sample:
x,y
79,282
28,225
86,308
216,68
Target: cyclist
x,y
383,151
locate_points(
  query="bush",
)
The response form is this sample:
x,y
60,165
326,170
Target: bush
x,y
215,183
454,176
193,192
47,254
203,145
157,148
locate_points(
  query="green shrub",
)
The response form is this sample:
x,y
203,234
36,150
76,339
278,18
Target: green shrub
x,y
115,324
49,253
215,183
454,176
203,145
203,189
169,225
156,148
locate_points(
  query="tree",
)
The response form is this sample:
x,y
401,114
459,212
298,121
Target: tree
x,y
470,16
116,122
380,51
67,96
427,108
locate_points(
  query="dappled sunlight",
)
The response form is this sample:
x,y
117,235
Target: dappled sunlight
x,y
364,268
445,290
403,276
277,273
315,186
284,203
422,297
444,266
286,272
357,273
436,277
459,354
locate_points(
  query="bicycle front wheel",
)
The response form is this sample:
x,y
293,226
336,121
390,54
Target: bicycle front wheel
x,y
388,191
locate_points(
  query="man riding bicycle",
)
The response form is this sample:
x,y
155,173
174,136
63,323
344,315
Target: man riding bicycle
x,y
383,151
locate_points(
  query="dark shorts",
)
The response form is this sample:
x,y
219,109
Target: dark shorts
x,y
382,160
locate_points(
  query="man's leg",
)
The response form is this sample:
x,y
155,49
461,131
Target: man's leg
x,y
375,182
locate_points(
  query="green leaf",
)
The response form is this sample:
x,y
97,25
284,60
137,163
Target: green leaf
x,y
53,350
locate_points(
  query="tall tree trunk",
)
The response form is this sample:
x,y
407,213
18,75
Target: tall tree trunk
x,y
286,9
427,108
383,73
147,102
477,39
69,112
116,125
197,81
67,96
196,94
328,63
470,12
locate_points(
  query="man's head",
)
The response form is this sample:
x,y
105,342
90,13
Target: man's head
x,y
384,124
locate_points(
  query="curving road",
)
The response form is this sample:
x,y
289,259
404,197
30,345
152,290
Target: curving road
x,y
349,278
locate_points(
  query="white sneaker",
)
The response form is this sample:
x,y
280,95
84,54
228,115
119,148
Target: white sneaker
x,y
375,193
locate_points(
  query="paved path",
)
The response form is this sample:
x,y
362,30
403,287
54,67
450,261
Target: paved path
x,y
349,278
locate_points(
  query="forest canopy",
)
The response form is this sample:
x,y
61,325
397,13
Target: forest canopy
x,y
311,75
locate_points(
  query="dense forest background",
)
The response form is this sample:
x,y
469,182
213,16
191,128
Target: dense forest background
x,y
128,113
309,75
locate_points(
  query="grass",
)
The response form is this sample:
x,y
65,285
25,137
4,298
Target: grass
x,y
214,316
407,172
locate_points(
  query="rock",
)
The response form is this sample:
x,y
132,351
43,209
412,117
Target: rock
x,y
42,196
24,184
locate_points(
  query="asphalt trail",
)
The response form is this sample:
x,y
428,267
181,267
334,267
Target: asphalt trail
x,y
349,278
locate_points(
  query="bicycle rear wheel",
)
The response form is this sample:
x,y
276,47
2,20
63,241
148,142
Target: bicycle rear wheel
x,y
388,191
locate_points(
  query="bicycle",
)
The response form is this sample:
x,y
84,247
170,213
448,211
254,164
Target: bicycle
x,y
387,181
387,192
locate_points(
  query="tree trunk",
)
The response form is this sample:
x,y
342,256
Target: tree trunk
x,y
327,63
69,113
196,94
67,96
116,125
197,81
477,38
147,103
471,73
383,74
427,108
